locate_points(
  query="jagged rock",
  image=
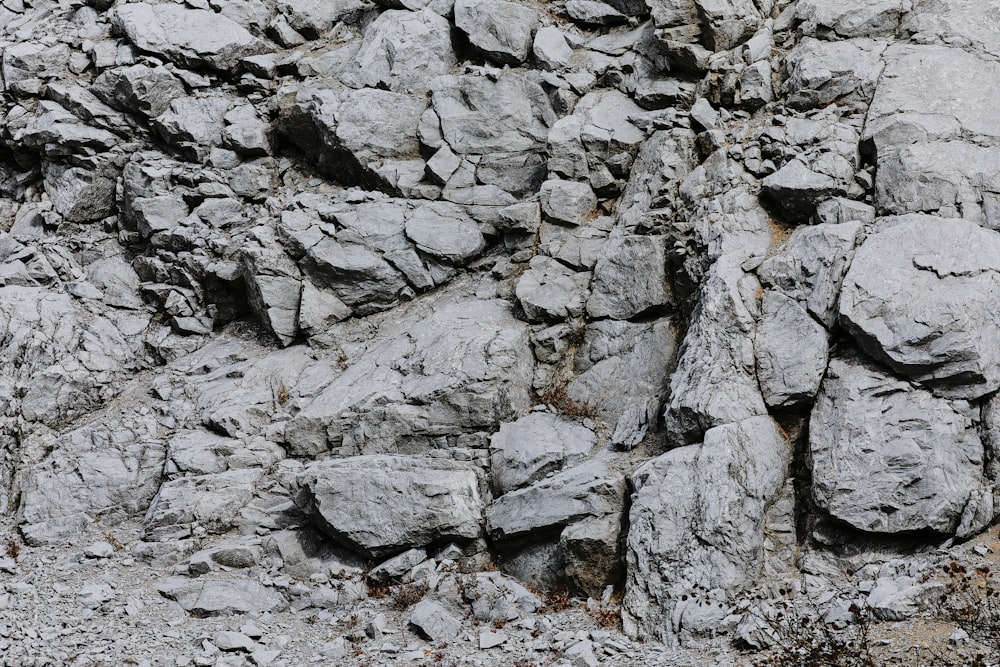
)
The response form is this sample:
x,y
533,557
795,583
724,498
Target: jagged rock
x,y
222,596
382,504
110,468
849,18
696,527
592,12
715,382
550,291
569,202
81,195
444,369
138,88
423,36
911,468
314,18
812,266
435,622
727,23
591,549
945,178
592,489
397,566
796,189
624,373
502,31
821,73
210,501
191,37
950,22
791,349
919,295
902,112
480,116
455,239
550,48
534,446
352,134
630,278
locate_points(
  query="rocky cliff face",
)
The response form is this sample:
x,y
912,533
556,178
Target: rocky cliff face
x,y
673,298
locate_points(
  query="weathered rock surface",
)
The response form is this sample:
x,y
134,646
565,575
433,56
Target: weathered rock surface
x,y
382,504
888,457
920,295
696,527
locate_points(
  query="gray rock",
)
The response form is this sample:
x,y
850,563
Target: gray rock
x,y
454,239
314,18
502,31
591,489
624,374
593,12
569,202
630,278
397,566
534,446
791,349
138,88
844,72
228,640
696,527
435,622
423,36
592,551
479,116
382,504
716,382
550,48
352,134
209,501
812,266
945,178
443,368
919,295
190,37
795,190
901,112
550,291
911,468
849,18
81,195
221,596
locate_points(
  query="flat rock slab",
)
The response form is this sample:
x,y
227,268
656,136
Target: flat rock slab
x,y
221,596
922,295
191,37
502,31
888,457
933,93
382,504
527,450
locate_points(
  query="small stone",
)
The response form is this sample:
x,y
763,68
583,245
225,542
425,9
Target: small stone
x,y
488,639
232,641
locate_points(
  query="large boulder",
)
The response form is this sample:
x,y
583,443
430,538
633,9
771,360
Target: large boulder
x,y
534,446
888,457
791,349
502,31
379,505
921,296
696,527
189,37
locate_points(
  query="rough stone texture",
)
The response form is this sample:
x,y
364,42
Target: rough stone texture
x,y
696,526
920,295
502,31
791,350
715,382
382,504
527,450
188,36
888,457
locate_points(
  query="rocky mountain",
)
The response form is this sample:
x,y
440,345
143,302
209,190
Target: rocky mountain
x,y
377,332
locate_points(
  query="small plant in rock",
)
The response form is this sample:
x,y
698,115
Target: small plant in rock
x,y
13,549
109,537
407,595
800,637
557,599
972,601
378,591
558,397
607,612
